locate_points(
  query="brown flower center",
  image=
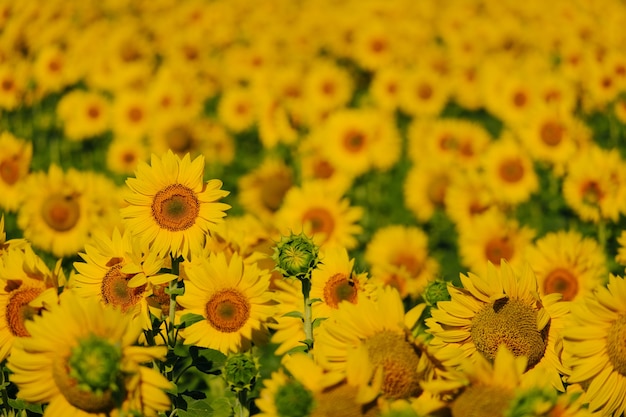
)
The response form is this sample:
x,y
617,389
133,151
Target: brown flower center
x,y
18,310
179,139
340,401
511,170
61,212
320,220
615,347
512,323
591,192
339,288
175,208
424,91
354,141
437,188
10,170
228,310
499,248
552,133
273,190
115,289
399,361
410,261
563,281
520,99
482,401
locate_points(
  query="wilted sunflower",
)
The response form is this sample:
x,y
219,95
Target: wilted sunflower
x,y
172,208
503,307
81,360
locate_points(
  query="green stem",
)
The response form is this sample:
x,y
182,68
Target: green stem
x,y
241,408
308,322
5,393
172,313
602,234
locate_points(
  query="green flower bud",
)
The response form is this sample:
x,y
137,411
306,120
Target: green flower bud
x,y
241,371
95,364
294,400
296,256
435,291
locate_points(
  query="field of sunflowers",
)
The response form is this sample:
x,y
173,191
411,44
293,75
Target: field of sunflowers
x,y
296,208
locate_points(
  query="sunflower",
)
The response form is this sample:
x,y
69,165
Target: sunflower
x,y
620,257
376,328
398,255
385,87
425,187
237,109
5,244
326,86
171,208
262,190
568,263
60,211
130,115
593,347
123,155
49,70
81,360
503,307
27,287
14,167
114,271
84,114
491,237
467,197
424,93
232,297
509,171
320,212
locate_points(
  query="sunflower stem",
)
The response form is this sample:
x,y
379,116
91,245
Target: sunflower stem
x,y
241,409
308,322
602,234
5,393
171,334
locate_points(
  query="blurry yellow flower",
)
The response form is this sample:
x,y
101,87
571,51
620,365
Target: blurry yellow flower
x,y
14,167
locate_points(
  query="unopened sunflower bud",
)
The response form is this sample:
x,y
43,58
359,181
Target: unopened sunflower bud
x,y
296,256
241,371
435,291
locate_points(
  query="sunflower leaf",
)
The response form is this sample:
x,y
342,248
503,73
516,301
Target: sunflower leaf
x,y
188,319
20,404
295,314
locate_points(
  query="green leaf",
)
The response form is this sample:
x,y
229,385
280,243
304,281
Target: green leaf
x,y
294,314
221,407
20,404
188,319
301,348
209,361
196,408
318,321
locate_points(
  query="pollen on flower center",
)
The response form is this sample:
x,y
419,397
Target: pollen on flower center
x,y
341,401
115,289
60,212
562,281
552,133
499,248
399,361
511,170
18,310
354,141
339,288
482,400
175,207
615,347
228,310
89,378
512,323
320,220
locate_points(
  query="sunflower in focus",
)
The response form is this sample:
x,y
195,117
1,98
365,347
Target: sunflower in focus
x,y
27,287
81,359
567,263
232,297
593,347
503,307
322,213
171,208
14,167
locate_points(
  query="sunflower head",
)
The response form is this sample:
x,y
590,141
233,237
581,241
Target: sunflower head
x,y
296,256
435,291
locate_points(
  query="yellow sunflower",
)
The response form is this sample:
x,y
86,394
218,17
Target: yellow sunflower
x,y
81,360
14,167
467,197
130,115
5,244
236,109
593,347
568,263
376,328
27,287
509,171
321,213
326,86
424,92
620,257
503,307
425,188
123,155
115,271
60,211
491,237
398,251
232,297
84,114
172,208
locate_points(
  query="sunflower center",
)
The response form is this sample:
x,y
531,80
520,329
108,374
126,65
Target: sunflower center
x,y
340,401
10,171
339,288
179,139
399,362
18,310
519,99
323,169
228,310
273,192
175,208
561,280
90,379
511,170
115,289
437,188
591,193
60,212
479,401
424,91
552,133
512,323
499,248
293,400
615,346
410,261
320,220
354,141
